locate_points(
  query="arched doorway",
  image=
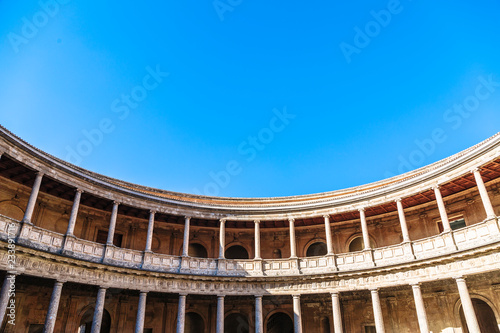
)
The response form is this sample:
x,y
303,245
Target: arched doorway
x,y
485,317
279,323
236,323
194,323
236,252
325,325
357,244
316,249
86,321
197,250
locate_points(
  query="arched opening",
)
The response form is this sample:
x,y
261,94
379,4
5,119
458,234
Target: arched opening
x,y
86,321
10,210
325,325
277,254
236,252
280,323
194,323
316,249
485,317
357,244
197,250
236,322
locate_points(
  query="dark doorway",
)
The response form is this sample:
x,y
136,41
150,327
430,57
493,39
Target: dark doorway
x,y
485,317
236,323
316,249
194,323
197,250
86,321
236,252
280,323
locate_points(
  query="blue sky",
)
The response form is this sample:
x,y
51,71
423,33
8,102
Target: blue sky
x,y
250,98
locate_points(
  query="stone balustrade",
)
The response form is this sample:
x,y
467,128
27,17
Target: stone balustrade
x,y
480,234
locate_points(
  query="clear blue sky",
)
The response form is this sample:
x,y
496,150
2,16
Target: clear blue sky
x,y
250,98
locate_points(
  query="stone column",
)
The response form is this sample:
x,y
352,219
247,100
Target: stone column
x,y
377,312
222,239
328,231
185,244
99,310
470,314
141,313
50,320
257,240
490,212
181,313
74,213
442,209
293,245
33,196
337,314
220,315
402,221
259,318
419,305
112,223
4,295
364,229
297,314
151,226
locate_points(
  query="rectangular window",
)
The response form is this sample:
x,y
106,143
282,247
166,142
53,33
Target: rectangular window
x,y
370,329
35,328
456,222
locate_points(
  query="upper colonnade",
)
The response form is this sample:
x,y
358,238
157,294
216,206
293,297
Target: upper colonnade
x,y
374,195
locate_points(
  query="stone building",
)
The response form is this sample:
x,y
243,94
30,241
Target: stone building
x,y
82,252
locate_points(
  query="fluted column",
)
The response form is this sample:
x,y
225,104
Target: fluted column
x,y
112,223
222,239
74,213
377,312
185,243
337,314
420,306
151,226
297,314
470,314
259,318
181,313
50,320
257,240
364,229
33,196
99,310
490,212
293,244
220,315
141,313
442,209
328,232
402,221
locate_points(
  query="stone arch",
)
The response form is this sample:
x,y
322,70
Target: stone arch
x,y
10,209
197,250
315,248
155,244
236,322
358,244
86,317
195,323
486,313
279,321
236,250
61,225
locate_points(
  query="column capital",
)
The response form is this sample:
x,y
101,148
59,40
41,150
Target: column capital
x,y
79,190
143,292
256,221
40,173
374,290
152,211
475,170
398,199
335,294
258,296
415,284
326,216
183,294
361,209
222,221
296,296
291,220
116,202
436,187
187,218
460,278
221,296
